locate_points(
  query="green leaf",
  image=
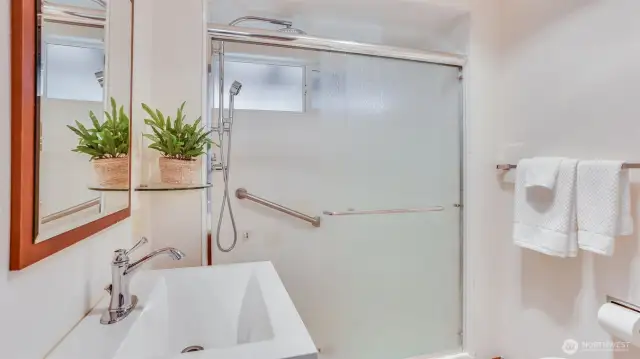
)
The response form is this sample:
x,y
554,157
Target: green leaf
x,y
104,140
94,120
195,124
159,149
152,114
87,150
179,117
76,131
108,116
114,111
161,122
151,137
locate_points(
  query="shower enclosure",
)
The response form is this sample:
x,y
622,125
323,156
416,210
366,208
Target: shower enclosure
x,y
369,138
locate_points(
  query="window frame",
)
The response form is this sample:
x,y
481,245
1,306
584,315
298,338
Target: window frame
x,y
263,60
57,40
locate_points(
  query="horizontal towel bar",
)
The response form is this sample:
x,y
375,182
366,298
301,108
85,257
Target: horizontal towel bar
x,y
241,193
385,211
506,167
71,210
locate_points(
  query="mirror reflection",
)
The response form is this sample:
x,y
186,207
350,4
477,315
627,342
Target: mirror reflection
x,y
84,104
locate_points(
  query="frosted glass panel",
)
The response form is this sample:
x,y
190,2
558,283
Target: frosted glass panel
x,y
265,86
71,72
378,134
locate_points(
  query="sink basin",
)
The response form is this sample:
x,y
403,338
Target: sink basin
x,y
229,311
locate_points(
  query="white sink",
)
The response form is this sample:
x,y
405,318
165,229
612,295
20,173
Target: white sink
x,y
232,311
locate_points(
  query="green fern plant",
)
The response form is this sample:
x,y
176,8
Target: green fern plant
x,y
175,138
109,139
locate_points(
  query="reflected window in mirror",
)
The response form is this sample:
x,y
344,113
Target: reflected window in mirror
x,y
73,71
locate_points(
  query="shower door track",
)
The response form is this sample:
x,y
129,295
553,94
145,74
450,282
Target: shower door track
x,y
221,32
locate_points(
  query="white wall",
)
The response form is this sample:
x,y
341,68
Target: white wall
x,y
44,301
118,54
483,130
570,82
423,24
169,67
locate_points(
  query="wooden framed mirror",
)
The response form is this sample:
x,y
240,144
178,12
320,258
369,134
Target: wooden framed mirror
x,y
71,74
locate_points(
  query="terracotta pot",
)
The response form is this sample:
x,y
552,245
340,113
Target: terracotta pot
x,y
112,172
175,171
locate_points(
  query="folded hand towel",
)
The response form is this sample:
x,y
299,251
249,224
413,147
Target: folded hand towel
x,y
545,220
603,205
543,172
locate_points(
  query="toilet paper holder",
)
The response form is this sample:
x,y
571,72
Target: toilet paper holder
x,y
623,303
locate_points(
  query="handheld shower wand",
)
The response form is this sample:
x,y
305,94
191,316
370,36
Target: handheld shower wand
x,y
227,126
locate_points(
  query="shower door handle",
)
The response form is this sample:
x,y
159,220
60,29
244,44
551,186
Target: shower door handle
x,y
351,212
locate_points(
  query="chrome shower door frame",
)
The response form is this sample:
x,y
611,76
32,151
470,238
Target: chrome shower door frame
x,y
219,32
225,33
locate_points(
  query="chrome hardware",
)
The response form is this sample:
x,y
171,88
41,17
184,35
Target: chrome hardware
x,y
241,193
217,167
142,241
252,35
507,167
351,211
192,348
122,301
73,210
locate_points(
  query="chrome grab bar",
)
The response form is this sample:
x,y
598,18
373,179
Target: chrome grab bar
x,y
73,15
507,167
71,210
351,212
241,193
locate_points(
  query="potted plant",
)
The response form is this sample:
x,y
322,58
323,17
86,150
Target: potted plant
x,y
107,144
179,143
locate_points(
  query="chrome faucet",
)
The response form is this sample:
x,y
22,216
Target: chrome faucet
x,y
122,302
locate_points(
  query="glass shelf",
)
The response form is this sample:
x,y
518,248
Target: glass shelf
x,y
108,189
171,187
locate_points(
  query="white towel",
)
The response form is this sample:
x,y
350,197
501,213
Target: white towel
x,y
545,220
543,172
603,204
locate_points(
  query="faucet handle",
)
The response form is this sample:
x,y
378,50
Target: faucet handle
x,y
142,241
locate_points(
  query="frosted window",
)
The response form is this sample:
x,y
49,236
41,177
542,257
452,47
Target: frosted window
x,y
71,72
265,86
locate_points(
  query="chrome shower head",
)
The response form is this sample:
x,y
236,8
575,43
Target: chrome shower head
x,y
292,30
235,88
259,18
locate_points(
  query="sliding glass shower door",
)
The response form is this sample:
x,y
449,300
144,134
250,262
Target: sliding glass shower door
x,y
344,134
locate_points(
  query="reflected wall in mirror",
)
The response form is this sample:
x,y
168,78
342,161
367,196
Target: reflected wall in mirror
x,y
78,111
